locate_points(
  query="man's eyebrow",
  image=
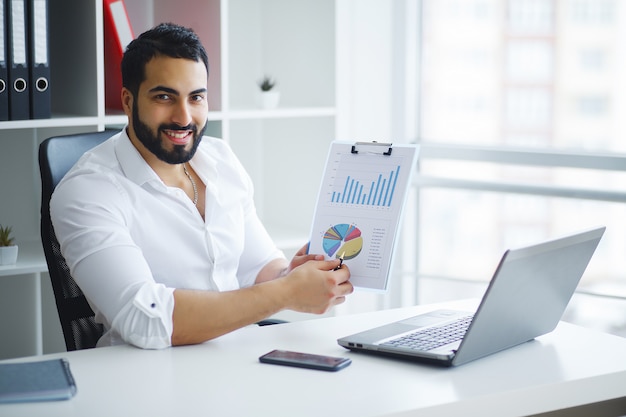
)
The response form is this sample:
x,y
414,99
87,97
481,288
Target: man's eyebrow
x,y
161,88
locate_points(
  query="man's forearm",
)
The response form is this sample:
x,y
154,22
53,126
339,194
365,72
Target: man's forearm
x,y
204,315
274,269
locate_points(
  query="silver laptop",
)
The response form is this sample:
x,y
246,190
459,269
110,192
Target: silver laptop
x,y
526,298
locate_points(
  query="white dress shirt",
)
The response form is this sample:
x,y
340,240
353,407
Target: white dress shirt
x,y
130,240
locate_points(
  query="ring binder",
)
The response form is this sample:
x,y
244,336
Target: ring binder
x,y
39,61
373,143
4,87
118,33
17,63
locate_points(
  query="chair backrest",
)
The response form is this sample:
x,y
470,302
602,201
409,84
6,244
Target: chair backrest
x,y
56,156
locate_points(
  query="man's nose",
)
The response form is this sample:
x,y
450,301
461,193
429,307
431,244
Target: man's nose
x,y
182,114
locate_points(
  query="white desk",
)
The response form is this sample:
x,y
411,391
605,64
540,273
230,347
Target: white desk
x,y
568,368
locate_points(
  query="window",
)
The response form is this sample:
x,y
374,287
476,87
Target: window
x,y
522,127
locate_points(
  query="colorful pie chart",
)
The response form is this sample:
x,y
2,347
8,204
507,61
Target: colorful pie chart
x,y
343,239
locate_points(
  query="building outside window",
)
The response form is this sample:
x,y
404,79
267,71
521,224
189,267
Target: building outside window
x,y
522,123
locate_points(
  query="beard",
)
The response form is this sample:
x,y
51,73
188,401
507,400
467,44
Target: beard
x,y
152,140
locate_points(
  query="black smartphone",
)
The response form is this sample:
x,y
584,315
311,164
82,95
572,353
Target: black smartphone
x,y
305,360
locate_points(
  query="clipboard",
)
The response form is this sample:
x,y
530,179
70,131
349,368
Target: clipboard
x,y
360,206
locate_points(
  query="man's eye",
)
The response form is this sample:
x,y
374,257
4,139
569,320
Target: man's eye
x,y
164,97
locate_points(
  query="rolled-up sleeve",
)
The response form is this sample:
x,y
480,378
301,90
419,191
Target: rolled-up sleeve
x,y
137,310
108,265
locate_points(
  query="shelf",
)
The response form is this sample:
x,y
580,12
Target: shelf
x,y
116,119
63,121
30,260
283,149
281,113
122,120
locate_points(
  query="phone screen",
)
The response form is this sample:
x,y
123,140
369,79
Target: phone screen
x,y
305,360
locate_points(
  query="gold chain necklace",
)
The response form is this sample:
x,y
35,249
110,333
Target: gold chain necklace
x,y
193,184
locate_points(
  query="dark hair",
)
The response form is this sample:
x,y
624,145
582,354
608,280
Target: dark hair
x,y
166,39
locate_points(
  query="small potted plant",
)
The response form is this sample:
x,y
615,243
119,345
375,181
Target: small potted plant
x,y
8,248
269,97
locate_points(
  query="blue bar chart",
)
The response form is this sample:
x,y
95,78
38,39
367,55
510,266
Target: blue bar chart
x,y
366,191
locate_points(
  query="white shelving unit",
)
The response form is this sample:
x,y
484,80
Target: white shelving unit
x,y
291,40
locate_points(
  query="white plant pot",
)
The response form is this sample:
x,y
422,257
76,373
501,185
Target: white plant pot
x,y
8,255
269,99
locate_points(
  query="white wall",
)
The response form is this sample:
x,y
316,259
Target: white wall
x,y
377,100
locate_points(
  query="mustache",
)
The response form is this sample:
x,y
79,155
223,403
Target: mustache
x,y
191,127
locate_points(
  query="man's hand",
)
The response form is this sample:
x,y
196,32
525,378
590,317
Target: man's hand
x,y
302,257
315,286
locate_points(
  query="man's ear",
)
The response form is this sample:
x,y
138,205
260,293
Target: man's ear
x,y
127,101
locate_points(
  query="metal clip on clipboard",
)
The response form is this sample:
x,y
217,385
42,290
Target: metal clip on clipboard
x,y
372,144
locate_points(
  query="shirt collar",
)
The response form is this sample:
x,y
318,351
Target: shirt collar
x,y
137,170
134,166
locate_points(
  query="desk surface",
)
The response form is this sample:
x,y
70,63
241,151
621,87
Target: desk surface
x,y
566,368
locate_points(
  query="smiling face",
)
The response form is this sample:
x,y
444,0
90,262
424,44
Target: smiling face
x,y
168,117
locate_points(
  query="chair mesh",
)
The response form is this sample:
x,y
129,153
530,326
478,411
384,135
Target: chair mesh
x,y
77,317
69,286
86,332
56,156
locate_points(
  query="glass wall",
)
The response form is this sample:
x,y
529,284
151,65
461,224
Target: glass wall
x,y
502,78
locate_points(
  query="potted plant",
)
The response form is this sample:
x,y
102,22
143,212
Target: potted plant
x,y
269,97
8,248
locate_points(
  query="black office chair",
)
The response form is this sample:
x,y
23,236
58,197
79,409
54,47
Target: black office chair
x,y
56,156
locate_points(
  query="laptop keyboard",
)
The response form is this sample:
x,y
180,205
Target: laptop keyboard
x,y
432,337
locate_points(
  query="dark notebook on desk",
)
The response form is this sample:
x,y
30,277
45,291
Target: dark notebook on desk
x,y
47,380
526,298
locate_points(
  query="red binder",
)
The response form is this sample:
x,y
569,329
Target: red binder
x,y
118,33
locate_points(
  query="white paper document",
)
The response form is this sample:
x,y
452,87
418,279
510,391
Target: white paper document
x,y
359,208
